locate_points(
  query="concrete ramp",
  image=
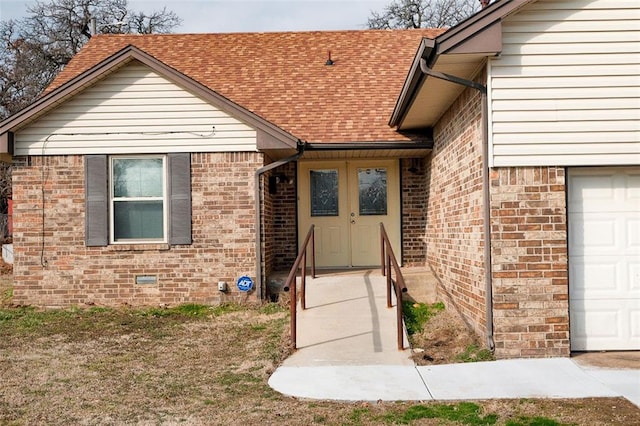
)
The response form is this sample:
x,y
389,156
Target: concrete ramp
x,y
347,323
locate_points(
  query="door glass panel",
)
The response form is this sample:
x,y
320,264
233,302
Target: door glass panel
x,y
372,189
324,192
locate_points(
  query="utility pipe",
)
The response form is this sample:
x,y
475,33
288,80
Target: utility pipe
x,y
258,198
485,189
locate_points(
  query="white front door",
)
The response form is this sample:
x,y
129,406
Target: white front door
x,y
346,201
604,258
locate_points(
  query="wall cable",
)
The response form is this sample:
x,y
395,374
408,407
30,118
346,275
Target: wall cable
x,y
45,177
45,168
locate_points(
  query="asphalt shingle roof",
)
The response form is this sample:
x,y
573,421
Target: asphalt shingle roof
x,y
283,78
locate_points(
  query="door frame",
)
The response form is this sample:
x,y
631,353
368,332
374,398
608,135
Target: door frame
x,y
349,167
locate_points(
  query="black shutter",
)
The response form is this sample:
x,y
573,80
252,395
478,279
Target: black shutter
x,y
180,198
96,200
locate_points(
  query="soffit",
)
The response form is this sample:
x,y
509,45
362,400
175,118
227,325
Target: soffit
x,y
434,96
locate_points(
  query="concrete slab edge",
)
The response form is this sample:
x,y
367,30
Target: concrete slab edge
x,y
351,383
504,379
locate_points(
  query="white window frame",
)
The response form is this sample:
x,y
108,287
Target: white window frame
x,y
164,199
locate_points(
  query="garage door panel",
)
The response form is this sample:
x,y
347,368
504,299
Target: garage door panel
x,y
633,239
633,269
605,325
605,192
604,258
599,277
605,276
635,324
591,193
594,232
632,190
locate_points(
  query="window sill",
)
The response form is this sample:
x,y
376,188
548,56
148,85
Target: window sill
x,y
140,247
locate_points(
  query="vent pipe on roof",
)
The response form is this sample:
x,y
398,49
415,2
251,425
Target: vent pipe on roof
x,y
484,3
329,60
93,26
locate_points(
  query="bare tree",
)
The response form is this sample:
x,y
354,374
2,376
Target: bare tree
x,y
422,14
34,49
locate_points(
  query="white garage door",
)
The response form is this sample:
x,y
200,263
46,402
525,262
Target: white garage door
x,y
604,258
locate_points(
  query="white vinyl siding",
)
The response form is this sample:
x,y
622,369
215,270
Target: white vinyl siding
x,y
566,89
134,110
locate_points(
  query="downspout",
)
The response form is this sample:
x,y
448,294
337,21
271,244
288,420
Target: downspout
x,y
485,190
258,198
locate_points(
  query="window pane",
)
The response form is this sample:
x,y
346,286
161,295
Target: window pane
x,y
137,177
324,192
137,220
372,185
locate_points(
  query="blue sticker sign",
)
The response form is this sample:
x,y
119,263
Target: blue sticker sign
x,y
245,283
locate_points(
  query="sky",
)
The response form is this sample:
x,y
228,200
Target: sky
x,y
247,15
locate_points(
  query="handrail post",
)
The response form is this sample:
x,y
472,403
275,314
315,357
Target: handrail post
x,y
389,279
399,319
293,312
303,302
388,259
313,251
382,263
291,283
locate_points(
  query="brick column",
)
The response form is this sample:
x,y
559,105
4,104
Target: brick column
x,y
529,258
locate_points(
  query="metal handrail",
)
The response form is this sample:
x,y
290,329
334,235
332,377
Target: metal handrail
x,y
388,260
290,284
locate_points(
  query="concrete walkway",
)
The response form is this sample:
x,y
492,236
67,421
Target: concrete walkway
x,y
347,351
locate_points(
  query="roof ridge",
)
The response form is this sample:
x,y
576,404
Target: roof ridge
x,y
301,32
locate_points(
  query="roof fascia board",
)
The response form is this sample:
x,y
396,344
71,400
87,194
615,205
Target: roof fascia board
x,y
367,146
6,143
475,26
413,80
486,41
125,56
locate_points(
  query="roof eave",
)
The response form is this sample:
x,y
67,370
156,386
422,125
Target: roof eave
x,y
412,82
480,34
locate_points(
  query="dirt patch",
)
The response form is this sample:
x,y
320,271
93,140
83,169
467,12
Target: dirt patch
x,y
6,284
622,359
445,339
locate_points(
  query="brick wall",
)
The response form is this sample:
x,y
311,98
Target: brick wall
x,y
223,246
455,209
414,211
529,257
285,220
266,238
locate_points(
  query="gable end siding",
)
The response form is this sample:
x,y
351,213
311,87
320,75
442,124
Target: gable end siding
x,y
566,89
135,110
